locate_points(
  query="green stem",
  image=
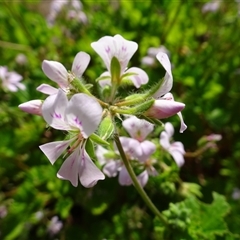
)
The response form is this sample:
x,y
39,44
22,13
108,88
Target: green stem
x,y
137,185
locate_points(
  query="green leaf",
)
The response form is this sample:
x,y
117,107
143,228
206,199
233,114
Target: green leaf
x,y
207,220
63,206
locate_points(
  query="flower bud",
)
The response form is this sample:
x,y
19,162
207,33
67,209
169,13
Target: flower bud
x,y
164,109
33,107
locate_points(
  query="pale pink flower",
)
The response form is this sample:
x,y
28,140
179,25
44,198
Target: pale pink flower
x,y
135,148
108,47
80,116
211,6
54,226
11,80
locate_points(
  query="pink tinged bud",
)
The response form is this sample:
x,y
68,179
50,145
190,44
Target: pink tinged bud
x,y
56,72
163,109
33,107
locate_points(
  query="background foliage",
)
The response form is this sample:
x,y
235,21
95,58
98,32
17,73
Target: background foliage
x,y
201,199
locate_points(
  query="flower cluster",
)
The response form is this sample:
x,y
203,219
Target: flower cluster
x,y
73,8
90,121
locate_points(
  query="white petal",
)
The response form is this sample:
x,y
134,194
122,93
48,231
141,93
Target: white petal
x,y
70,168
21,86
112,167
168,78
148,148
183,125
80,64
14,77
152,171
47,89
178,157
105,48
100,151
124,178
104,79
177,146
131,146
169,129
140,77
56,72
137,128
84,113
53,110
164,140
143,178
53,150
89,174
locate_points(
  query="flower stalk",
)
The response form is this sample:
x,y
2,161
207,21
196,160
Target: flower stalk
x,y
136,184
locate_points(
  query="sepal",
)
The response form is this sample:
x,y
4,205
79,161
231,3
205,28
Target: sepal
x,y
115,68
106,128
95,138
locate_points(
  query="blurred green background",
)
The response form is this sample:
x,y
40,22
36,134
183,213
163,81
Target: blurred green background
x,y
203,42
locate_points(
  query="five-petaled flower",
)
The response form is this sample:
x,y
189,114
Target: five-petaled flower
x,y
108,47
136,148
80,116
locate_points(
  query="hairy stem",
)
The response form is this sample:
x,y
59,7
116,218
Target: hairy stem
x,y
137,185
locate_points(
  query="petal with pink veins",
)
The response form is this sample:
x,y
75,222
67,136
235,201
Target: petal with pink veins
x,y
56,72
137,128
84,112
108,47
80,64
89,174
53,150
53,110
70,168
